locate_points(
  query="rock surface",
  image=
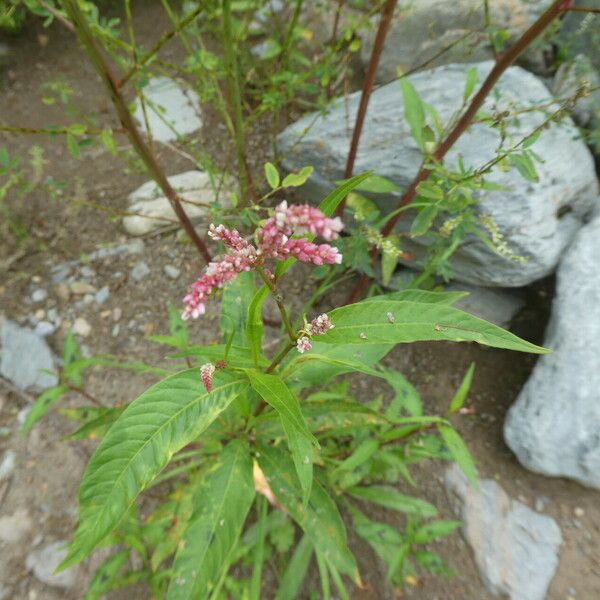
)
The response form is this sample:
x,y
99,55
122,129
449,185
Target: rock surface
x,y
437,32
171,111
154,211
14,527
554,426
44,561
24,356
516,549
538,220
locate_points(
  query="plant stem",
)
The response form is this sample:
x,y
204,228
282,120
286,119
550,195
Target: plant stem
x,y
279,300
382,31
235,98
275,362
104,70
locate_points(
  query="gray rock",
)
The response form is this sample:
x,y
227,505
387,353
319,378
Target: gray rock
x,y
87,272
171,111
13,528
515,548
497,306
570,78
81,288
153,211
537,220
554,426
7,466
42,562
430,33
81,327
140,271
24,356
44,329
102,295
39,295
172,272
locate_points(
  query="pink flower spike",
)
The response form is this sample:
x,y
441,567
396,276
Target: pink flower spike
x,y
306,251
230,237
322,324
303,218
303,344
206,375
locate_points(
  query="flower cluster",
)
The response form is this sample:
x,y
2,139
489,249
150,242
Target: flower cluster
x,y
207,371
273,241
318,326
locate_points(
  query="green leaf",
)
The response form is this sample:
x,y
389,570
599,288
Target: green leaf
x,y
108,141
463,390
423,221
73,145
139,445
470,83
414,112
71,356
396,322
320,518
406,397
237,356
297,179
254,327
361,455
459,452
295,572
390,498
433,531
272,175
276,393
237,296
377,185
430,190
106,574
221,504
42,405
421,296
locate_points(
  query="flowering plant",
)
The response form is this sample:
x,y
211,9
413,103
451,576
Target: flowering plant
x,y
257,452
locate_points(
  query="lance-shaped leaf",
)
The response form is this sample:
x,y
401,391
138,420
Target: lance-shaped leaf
x,y
399,321
254,327
276,393
320,518
221,504
139,445
237,295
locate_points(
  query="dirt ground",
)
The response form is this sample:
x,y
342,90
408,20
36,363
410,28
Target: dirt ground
x,y
47,469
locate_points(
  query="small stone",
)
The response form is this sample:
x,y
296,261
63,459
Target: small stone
x,y
578,512
7,466
53,315
44,561
40,314
88,299
22,414
117,313
172,272
63,291
81,327
39,295
102,295
44,329
13,528
115,330
132,324
541,502
87,272
82,287
25,357
140,271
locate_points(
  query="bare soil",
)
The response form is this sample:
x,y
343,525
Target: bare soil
x,y
48,469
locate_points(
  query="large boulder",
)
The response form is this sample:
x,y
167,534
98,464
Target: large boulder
x,y
538,220
554,426
515,548
430,33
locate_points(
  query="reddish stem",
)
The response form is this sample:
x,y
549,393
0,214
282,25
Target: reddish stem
x,y
504,61
382,31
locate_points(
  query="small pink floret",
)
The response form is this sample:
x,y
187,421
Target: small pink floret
x,y
303,344
320,325
206,375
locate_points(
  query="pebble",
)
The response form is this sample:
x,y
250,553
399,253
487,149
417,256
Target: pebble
x,y
87,272
82,287
541,502
117,313
88,299
81,327
172,272
140,271
63,291
102,295
7,466
115,330
13,528
578,511
44,561
44,329
53,315
40,314
39,295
